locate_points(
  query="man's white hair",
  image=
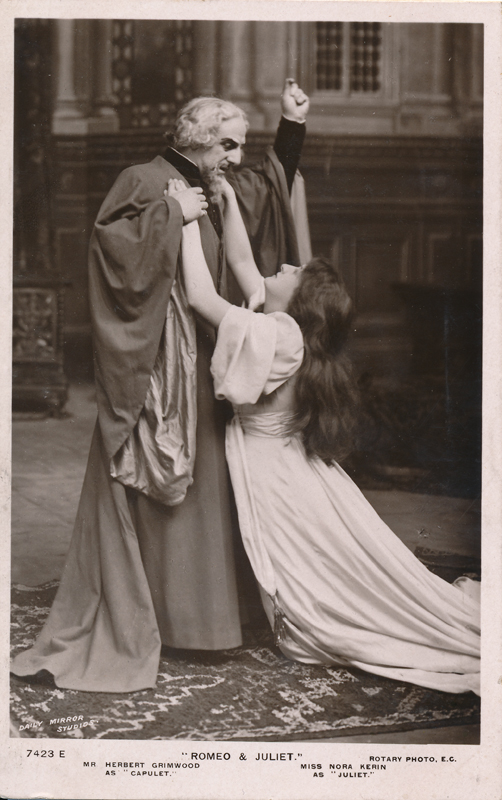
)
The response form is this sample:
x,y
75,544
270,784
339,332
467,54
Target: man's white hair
x,y
198,123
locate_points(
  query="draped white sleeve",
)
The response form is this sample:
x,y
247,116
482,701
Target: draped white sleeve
x,y
254,354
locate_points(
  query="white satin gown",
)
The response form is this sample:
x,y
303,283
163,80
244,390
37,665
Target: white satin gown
x,y
337,584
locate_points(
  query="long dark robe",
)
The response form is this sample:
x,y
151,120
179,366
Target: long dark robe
x,y
140,574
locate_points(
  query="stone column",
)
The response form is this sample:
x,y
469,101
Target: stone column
x,y
71,114
292,51
67,111
236,47
468,77
271,64
104,101
426,101
205,47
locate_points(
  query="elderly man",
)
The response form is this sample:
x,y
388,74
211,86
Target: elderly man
x,y
151,560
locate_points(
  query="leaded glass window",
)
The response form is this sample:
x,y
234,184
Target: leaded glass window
x,y
348,57
329,51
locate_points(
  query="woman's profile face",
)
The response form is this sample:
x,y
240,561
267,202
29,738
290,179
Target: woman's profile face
x,y
279,288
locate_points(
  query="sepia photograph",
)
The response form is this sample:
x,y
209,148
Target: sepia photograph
x,y
247,395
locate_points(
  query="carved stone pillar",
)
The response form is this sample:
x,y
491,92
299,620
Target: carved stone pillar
x,y
292,50
271,63
104,100
426,80
66,111
235,60
468,76
236,68
94,112
205,48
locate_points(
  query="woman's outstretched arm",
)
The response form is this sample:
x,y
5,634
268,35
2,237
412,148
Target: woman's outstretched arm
x,y
201,293
237,247
199,286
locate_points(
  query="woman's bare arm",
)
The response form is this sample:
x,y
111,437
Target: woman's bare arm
x,y
200,289
201,293
237,247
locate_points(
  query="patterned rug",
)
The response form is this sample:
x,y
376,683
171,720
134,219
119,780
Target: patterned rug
x,y
249,693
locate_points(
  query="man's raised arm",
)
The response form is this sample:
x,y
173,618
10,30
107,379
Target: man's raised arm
x,y
291,131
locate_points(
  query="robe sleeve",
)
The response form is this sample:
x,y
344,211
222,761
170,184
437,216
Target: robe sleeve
x,y
133,259
264,203
288,146
254,354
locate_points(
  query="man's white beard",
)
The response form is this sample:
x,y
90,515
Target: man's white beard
x,y
213,177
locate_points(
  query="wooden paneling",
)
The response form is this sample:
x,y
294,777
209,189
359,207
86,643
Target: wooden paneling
x,y
381,259
394,211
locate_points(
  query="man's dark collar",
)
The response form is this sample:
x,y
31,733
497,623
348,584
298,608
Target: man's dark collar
x,y
182,164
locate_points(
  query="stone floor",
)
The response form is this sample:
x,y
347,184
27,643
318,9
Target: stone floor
x,y
48,464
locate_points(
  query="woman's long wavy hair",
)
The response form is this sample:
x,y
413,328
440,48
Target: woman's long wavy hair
x,y
325,394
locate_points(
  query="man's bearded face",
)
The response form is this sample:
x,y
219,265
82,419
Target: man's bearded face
x,y
225,153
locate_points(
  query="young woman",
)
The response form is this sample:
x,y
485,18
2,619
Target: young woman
x,y
337,585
